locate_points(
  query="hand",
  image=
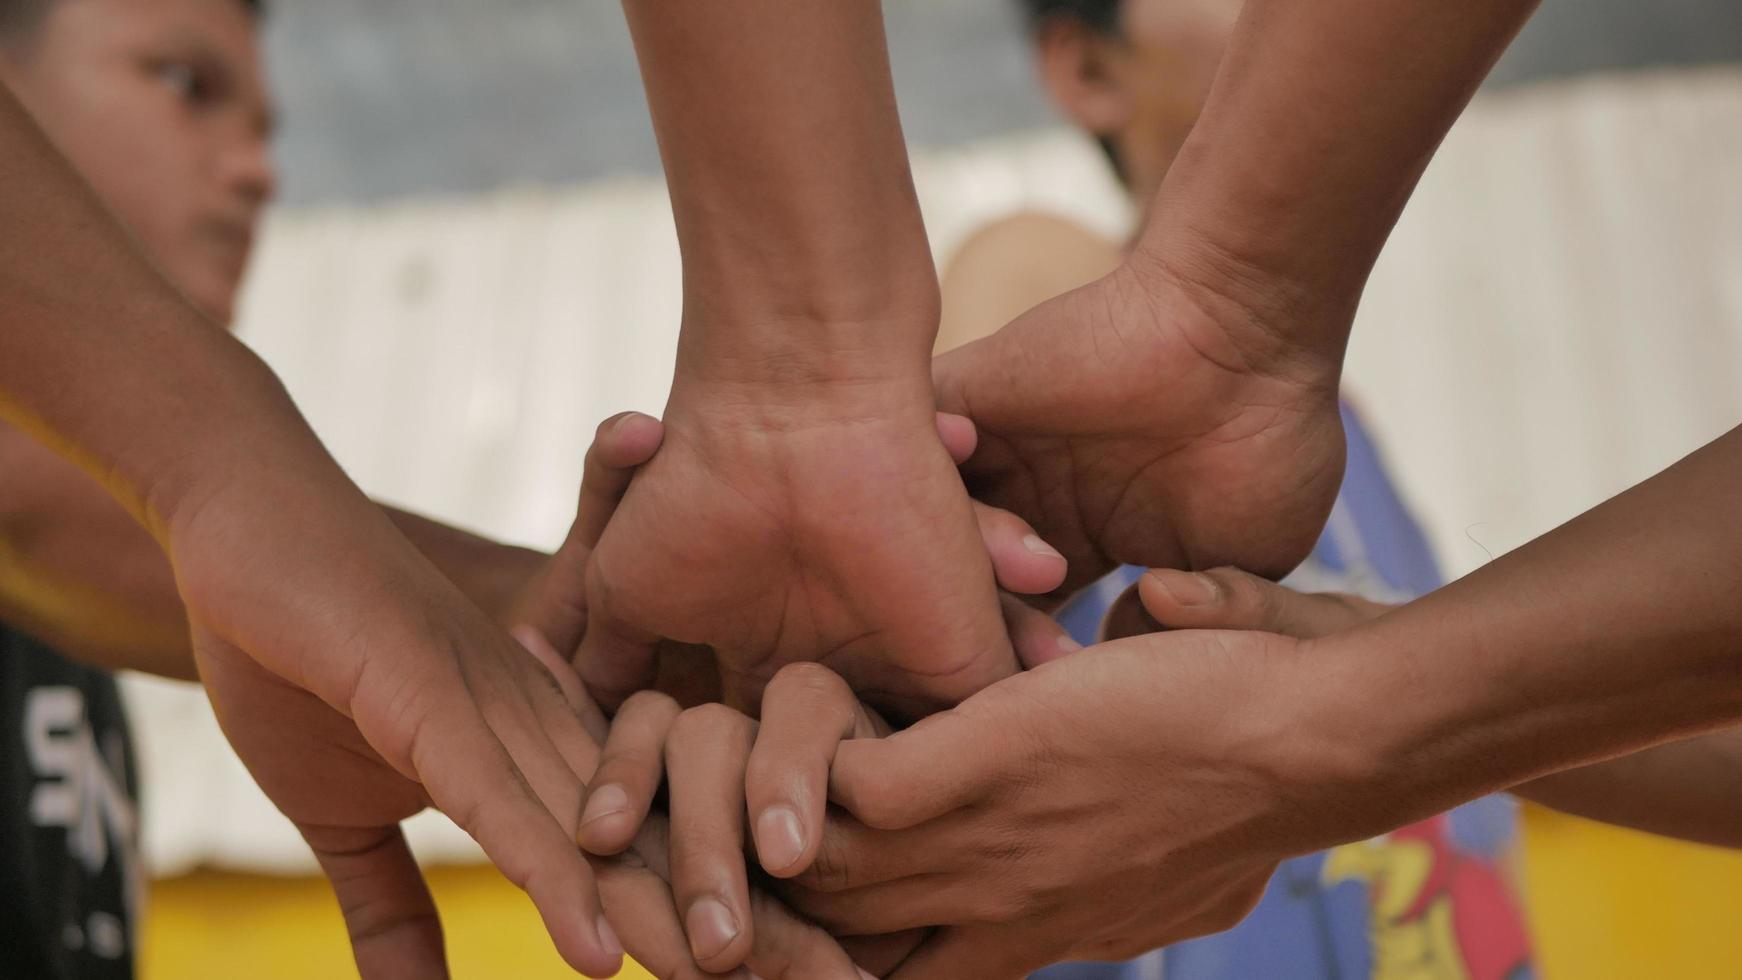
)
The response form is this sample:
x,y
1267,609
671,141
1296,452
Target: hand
x,y
774,535
359,687
1130,796
723,768
1231,599
634,882
1140,420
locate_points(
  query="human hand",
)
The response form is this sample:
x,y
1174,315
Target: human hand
x,y
771,535
726,772
1144,420
359,686
635,878
1232,599
1130,796
321,767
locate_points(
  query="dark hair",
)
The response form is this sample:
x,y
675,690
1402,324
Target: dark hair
x,y
20,18
1100,16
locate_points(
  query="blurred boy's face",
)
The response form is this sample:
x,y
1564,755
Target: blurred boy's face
x,y
162,105
1143,89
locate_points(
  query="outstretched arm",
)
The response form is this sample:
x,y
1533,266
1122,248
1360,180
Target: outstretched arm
x,y
1690,789
803,507
1199,759
1181,411
324,639
78,572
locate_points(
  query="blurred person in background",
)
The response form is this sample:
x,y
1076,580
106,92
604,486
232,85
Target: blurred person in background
x,y
1133,74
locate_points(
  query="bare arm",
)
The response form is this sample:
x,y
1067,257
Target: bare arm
x,y
1163,776
1689,789
822,518
1321,120
77,571
1615,633
323,638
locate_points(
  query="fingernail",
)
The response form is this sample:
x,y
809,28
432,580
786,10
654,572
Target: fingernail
x,y
864,975
779,838
608,938
1036,546
1068,645
1188,588
604,802
711,927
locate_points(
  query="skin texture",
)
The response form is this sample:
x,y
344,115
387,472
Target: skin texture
x,y
1180,411
1689,790
1199,438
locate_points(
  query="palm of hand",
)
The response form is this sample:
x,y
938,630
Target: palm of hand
x,y
1128,426
850,542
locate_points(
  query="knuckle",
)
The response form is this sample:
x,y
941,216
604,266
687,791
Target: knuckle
x,y
808,682
703,721
635,767
655,705
831,870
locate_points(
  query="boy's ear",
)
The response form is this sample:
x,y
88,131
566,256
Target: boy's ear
x,y
1080,68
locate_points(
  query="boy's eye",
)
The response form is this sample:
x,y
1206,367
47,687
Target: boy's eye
x,y
182,79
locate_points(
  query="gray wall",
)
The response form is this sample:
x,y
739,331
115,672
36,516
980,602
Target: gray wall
x,y
384,98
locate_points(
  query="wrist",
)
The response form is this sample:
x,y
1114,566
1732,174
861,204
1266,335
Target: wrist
x,y
780,393
1275,319
1380,743
242,429
816,330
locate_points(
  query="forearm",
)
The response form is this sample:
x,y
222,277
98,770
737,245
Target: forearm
x,y
79,573
1690,790
490,573
1321,120
804,254
1611,634
105,363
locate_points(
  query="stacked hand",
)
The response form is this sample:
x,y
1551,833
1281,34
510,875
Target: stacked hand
x,y
1085,809
771,537
404,696
1144,419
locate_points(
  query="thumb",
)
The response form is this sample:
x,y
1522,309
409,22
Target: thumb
x,y
1228,598
554,602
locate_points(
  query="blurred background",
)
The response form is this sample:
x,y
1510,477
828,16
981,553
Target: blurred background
x,y
473,263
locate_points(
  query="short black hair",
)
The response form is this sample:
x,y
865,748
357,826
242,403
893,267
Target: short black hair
x,y
20,18
1101,15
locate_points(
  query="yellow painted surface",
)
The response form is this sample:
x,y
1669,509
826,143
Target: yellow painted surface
x,y
1604,904
1608,904
219,926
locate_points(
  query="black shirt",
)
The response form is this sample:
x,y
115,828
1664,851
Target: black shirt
x,y
69,856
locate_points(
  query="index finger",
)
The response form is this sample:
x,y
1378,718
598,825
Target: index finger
x,y
807,710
